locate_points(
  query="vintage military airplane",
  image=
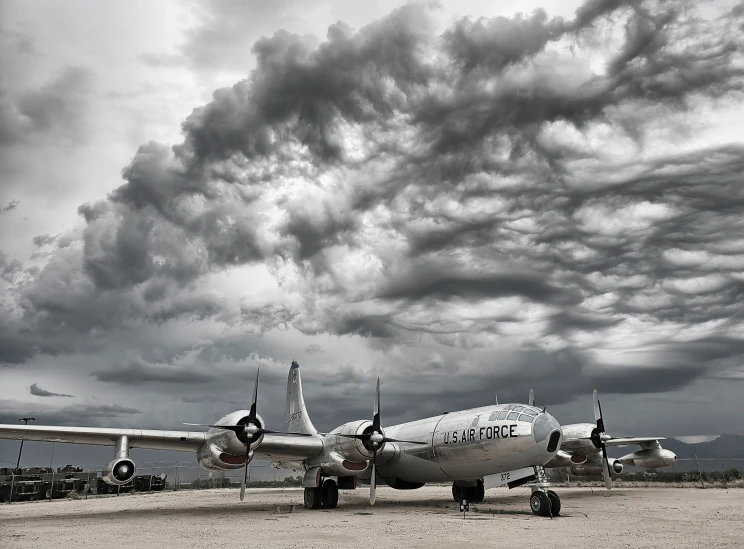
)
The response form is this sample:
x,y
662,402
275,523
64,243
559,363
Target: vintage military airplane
x,y
583,450
474,449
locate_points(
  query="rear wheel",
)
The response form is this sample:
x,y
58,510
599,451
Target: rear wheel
x,y
313,498
457,493
555,503
329,495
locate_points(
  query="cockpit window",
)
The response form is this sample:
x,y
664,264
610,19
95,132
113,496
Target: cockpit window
x,y
475,421
518,408
512,416
492,417
531,412
502,414
527,418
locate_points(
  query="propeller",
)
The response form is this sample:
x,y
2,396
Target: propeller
x,y
599,437
249,431
374,439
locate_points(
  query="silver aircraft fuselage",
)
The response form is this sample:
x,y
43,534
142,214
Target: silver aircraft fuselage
x,y
468,444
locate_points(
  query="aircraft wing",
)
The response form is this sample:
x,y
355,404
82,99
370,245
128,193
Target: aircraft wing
x,y
644,442
182,441
275,447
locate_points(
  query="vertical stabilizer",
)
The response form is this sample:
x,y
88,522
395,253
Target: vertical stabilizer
x,y
296,419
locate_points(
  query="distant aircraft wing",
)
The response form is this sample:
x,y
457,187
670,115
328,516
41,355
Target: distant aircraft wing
x,y
645,442
181,441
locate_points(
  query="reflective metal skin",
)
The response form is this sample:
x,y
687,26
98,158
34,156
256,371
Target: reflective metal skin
x,y
462,447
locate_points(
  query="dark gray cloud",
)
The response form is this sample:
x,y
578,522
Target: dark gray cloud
x,y
487,189
58,106
44,240
140,372
12,205
35,390
79,414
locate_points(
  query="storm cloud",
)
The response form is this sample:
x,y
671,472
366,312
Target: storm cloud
x,y
562,193
35,390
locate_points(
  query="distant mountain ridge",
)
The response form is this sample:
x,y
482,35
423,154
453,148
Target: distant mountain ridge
x,y
723,447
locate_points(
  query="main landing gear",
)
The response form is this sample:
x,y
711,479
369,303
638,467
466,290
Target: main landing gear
x,y
544,502
473,494
322,497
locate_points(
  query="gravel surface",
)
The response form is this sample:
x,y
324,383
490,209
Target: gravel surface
x,y
623,517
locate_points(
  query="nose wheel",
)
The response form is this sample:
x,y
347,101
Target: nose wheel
x,y
545,504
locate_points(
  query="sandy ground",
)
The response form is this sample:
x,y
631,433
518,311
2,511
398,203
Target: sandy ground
x,y
623,517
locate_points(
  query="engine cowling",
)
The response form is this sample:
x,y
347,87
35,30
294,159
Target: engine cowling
x,y
616,467
650,459
350,448
119,471
214,458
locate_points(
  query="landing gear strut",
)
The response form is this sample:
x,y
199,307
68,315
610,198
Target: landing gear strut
x,y
474,494
544,502
322,497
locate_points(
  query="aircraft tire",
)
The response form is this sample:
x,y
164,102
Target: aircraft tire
x,y
457,493
540,504
329,494
313,498
479,492
555,503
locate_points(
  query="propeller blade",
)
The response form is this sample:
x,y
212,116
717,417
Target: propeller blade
x,y
363,436
248,459
532,397
262,431
376,411
386,439
234,428
606,469
252,413
373,480
598,412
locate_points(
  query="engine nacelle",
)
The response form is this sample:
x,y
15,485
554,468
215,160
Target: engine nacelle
x,y
214,458
592,470
119,471
650,459
351,449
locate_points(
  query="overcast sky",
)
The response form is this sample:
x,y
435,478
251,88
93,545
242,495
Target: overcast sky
x,y
459,198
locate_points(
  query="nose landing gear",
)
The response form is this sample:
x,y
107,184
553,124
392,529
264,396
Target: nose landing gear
x,y
544,502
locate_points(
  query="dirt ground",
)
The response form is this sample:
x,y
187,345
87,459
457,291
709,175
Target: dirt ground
x,y
623,517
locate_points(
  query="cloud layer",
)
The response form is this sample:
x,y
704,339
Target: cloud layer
x,y
516,201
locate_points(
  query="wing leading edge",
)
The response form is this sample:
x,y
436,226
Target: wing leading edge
x,y
181,441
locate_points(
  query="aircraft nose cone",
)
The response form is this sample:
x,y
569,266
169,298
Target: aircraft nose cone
x,y
543,425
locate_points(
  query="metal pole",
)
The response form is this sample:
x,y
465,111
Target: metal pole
x,y
702,485
51,466
26,419
12,484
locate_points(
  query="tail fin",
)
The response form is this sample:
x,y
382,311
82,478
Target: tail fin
x,y
295,414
